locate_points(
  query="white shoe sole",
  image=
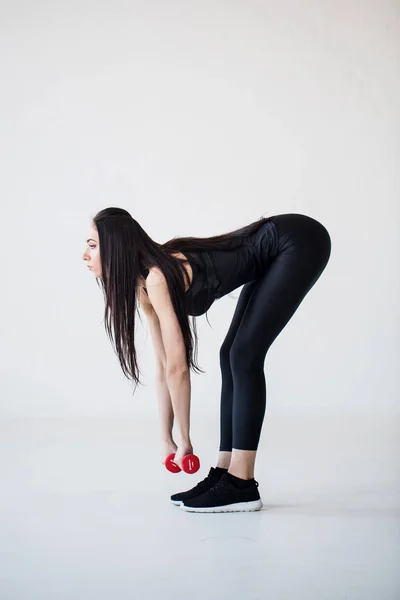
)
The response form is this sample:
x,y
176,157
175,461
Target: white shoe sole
x,y
176,502
237,507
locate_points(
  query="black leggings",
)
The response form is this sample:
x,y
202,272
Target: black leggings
x,y
264,307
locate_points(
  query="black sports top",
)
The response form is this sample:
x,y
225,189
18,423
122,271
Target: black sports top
x,y
218,272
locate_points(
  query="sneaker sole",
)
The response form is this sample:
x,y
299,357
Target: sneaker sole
x,y
237,507
176,502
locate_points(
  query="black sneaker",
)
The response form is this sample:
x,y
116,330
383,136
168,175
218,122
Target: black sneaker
x,y
212,478
225,496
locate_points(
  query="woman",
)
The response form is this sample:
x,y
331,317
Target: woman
x,y
277,259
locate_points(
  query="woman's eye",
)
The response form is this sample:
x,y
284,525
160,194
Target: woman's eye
x,y
91,246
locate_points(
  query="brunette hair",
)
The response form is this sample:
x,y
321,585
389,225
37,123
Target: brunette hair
x,y
126,251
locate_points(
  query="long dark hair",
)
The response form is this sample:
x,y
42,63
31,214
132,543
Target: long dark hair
x,y
126,251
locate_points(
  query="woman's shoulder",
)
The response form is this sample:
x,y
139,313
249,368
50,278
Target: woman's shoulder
x,y
151,277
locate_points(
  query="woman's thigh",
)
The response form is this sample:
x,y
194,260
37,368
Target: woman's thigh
x,y
275,296
241,304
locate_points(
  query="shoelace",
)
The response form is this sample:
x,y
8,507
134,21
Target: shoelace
x,y
204,484
220,485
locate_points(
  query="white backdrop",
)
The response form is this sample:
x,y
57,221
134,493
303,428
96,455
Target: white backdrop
x,y
198,117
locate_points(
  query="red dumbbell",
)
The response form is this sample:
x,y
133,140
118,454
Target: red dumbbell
x,y
190,464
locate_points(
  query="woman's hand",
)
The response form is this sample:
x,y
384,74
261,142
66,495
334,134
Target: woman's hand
x,y
168,448
183,449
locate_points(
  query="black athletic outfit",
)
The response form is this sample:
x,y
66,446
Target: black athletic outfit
x,y
277,267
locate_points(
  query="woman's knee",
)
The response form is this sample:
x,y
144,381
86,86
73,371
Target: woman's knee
x,y
224,358
245,358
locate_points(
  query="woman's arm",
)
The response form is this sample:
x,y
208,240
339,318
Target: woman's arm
x,y
163,395
179,387
177,372
165,409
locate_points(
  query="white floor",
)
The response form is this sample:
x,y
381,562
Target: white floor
x,y
85,514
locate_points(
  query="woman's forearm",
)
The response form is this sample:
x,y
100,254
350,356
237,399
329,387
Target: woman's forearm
x,y
179,387
165,409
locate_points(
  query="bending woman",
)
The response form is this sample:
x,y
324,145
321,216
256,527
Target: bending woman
x,y
277,259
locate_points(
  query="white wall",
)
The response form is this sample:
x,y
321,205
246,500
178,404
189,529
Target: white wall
x,y
198,117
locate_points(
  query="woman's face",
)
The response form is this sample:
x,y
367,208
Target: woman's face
x,y
92,252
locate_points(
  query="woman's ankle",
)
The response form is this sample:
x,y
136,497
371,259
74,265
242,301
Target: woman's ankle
x,y
224,459
242,463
